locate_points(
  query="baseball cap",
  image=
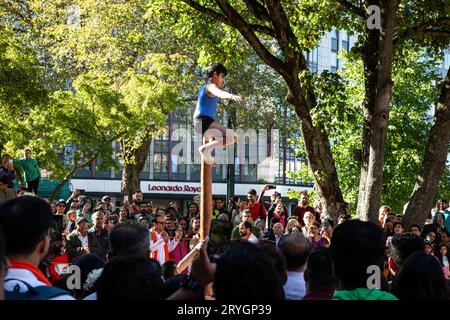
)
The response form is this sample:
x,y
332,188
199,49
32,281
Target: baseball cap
x,y
106,197
80,219
61,201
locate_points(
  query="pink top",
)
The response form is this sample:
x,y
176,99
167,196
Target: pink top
x,y
180,251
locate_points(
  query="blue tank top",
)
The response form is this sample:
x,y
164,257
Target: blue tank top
x,y
206,106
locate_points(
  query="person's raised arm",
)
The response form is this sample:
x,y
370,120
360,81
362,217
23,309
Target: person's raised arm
x,y
202,274
187,260
212,88
261,194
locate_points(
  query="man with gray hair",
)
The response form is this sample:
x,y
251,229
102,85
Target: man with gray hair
x,y
100,233
296,249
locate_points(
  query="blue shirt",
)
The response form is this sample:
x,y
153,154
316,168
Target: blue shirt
x,y
447,219
206,106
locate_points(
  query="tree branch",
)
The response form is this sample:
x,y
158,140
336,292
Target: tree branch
x,y
352,8
423,28
235,20
285,36
71,173
262,29
207,11
257,9
437,33
219,17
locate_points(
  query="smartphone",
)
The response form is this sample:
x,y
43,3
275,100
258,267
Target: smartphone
x,y
271,186
219,238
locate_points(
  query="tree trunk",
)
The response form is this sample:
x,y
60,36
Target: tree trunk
x,y
378,57
69,175
318,153
133,160
421,201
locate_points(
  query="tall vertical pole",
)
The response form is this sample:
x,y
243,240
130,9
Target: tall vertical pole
x,y
230,165
169,162
205,199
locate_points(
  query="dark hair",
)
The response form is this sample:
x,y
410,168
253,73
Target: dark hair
x,y
438,253
87,263
174,212
295,248
343,216
129,238
137,191
420,278
26,221
279,261
274,220
169,269
247,225
216,67
356,245
252,192
403,245
246,273
319,273
415,225
327,222
398,222
99,207
130,278
317,224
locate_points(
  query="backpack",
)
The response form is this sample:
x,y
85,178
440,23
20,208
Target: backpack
x,y
34,293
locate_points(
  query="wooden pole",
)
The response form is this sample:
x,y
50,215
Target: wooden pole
x,y
205,199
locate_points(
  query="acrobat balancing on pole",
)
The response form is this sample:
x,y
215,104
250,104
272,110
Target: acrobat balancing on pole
x,y
213,133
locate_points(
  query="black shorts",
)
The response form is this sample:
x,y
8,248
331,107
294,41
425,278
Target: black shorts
x,y
202,123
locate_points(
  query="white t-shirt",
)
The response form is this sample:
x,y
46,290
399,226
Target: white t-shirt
x,y
295,287
253,238
84,240
28,277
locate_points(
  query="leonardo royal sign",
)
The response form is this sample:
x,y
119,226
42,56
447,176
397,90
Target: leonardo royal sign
x,y
174,188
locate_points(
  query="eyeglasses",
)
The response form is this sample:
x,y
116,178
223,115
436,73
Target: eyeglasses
x,y
159,222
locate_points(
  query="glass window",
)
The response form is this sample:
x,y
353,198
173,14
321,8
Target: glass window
x,y
334,62
447,60
335,40
313,58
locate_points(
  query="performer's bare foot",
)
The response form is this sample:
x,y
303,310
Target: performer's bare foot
x,y
206,155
